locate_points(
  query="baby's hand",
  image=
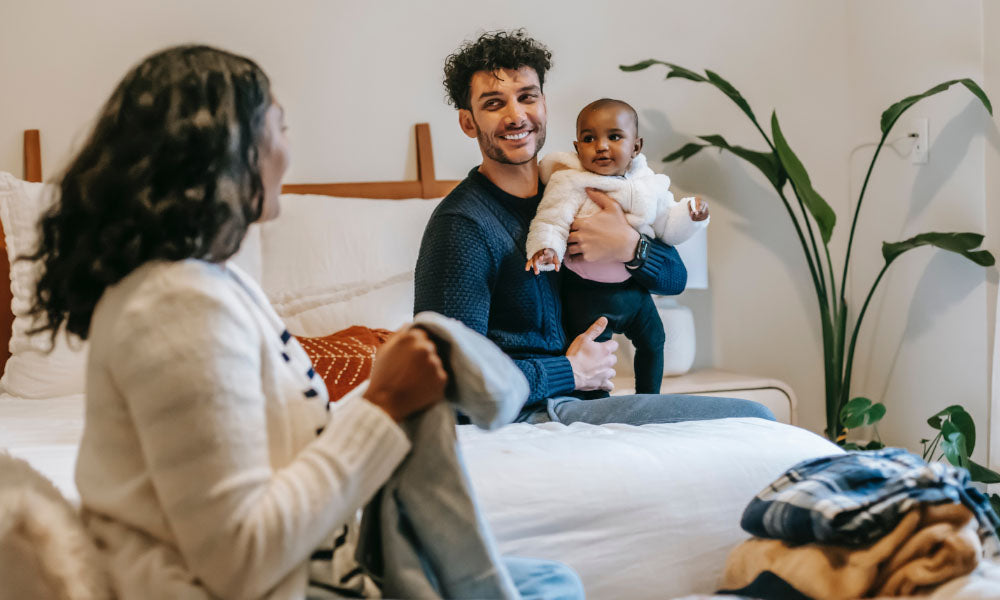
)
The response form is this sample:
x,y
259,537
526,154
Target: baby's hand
x,y
698,209
542,258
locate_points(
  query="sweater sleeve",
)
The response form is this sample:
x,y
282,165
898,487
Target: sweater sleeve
x,y
663,272
188,362
454,278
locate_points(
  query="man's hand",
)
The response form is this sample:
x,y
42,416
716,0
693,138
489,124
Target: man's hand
x,y
593,362
407,376
605,236
698,209
542,258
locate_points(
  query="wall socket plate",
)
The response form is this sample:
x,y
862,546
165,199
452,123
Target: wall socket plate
x,y
921,143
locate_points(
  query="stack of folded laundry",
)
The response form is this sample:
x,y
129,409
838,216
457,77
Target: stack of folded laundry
x,y
862,524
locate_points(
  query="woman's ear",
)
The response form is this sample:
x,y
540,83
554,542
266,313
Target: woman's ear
x,y
638,147
467,122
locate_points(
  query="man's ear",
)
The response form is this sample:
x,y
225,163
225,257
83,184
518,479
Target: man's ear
x,y
467,122
638,148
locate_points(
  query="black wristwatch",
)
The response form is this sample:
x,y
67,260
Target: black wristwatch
x,y
641,249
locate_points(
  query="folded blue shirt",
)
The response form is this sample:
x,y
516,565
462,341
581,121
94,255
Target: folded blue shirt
x,y
856,498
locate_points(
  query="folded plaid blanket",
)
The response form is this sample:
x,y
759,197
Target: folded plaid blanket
x,y
856,498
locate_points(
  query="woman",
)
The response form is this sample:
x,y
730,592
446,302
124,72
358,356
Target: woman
x,y
210,464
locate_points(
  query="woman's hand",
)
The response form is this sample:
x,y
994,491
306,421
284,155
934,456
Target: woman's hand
x,y
407,376
605,236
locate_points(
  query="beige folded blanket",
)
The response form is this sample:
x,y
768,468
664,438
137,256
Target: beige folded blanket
x,y
931,545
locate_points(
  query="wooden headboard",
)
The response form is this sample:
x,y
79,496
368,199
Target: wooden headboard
x,y
425,186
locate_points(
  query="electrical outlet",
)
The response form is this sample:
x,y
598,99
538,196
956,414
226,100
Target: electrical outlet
x,y
921,142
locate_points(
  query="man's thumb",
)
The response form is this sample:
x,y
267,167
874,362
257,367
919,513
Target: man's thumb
x,y
597,328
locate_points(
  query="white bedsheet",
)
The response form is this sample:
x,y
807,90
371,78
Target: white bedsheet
x,y
640,512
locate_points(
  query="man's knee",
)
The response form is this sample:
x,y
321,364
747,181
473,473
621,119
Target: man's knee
x,y
749,408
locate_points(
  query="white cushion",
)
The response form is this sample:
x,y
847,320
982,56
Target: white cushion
x,y
330,263
30,371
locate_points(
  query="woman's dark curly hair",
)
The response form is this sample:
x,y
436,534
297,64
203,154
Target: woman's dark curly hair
x,y
492,51
170,172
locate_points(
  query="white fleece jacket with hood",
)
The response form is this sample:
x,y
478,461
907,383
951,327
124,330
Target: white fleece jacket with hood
x,y
644,196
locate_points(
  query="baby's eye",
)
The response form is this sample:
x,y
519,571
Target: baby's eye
x,y
614,137
587,139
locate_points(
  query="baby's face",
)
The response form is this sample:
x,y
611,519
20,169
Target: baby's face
x,y
607,140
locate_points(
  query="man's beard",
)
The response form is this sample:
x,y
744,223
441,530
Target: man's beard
x,y
493,151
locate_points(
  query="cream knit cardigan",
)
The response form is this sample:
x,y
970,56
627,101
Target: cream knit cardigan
x,y
200,469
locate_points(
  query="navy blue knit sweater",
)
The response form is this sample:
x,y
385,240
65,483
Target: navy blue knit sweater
x,y
471,268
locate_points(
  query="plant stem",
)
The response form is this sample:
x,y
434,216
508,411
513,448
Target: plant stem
x,y
857,211
812,240
854,337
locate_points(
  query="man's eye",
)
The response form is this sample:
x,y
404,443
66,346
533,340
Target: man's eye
x,y
492,104
528,98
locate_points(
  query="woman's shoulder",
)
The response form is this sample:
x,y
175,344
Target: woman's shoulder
x,y
162,289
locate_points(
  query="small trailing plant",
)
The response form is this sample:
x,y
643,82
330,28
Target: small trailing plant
x,y
814,221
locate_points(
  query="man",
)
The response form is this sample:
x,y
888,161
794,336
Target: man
x,y
471,262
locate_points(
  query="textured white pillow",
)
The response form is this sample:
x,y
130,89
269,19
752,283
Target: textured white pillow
x,y
329,263
31,372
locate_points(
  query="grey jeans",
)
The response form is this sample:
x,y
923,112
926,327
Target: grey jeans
x,y
641,409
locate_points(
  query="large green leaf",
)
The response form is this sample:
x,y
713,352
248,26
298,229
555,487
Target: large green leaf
x,y
935,421
817,206
675,70
684,152
981,474
963,421
959,243
860,412
892,113
767,162
727,88
953,445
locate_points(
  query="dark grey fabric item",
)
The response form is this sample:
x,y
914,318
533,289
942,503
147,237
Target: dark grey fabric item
x,y
423,535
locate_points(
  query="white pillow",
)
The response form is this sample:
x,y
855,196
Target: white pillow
x,y
30,371
329,263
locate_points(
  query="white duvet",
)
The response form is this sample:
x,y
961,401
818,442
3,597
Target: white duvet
x,y
639,512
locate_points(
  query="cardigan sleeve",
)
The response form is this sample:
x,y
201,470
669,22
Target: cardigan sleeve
x,y
187,359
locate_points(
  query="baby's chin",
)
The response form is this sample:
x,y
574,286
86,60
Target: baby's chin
x,y
611,170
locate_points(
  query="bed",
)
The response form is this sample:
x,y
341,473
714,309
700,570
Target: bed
x,y
639,512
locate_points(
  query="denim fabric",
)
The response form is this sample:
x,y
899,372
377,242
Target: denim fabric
x,y
424,535
641,409
538,579
630,311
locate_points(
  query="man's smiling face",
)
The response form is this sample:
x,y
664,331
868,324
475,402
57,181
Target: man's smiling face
x,y
506,114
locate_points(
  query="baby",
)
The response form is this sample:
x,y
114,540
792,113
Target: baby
x,y
608,158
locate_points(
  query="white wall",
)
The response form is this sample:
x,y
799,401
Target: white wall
x,y
925,343
355,76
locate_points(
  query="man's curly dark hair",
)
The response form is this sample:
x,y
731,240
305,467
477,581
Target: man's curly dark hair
x,y
493,50
170,172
